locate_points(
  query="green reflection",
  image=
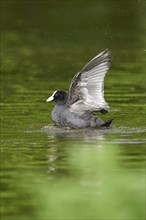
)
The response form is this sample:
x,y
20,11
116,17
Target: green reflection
x,y
95,187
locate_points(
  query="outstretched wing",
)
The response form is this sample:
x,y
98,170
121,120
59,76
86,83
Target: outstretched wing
x,y
86,91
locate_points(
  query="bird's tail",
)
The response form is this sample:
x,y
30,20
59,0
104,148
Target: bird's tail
x,y
107,123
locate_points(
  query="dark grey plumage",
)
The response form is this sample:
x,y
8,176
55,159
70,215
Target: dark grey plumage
x,y
85,97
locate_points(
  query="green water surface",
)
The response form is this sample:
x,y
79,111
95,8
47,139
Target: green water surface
x,y
52,173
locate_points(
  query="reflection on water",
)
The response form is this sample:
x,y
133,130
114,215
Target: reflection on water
x,y
79,134
90,134
45,168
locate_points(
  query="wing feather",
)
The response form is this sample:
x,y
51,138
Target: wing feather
x,y
86,91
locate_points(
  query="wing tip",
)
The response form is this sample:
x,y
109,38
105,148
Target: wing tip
x,y
104,56
107,52
104,111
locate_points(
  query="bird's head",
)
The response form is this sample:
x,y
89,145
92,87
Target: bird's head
x,y
60,97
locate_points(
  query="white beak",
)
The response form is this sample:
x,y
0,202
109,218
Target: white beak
x,y
51,98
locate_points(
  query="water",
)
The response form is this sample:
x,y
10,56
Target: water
x,y
53,173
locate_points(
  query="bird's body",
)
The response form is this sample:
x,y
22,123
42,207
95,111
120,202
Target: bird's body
x,y
62,116
76,109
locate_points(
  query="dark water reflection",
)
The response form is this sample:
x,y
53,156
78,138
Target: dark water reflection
x,y
44,43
